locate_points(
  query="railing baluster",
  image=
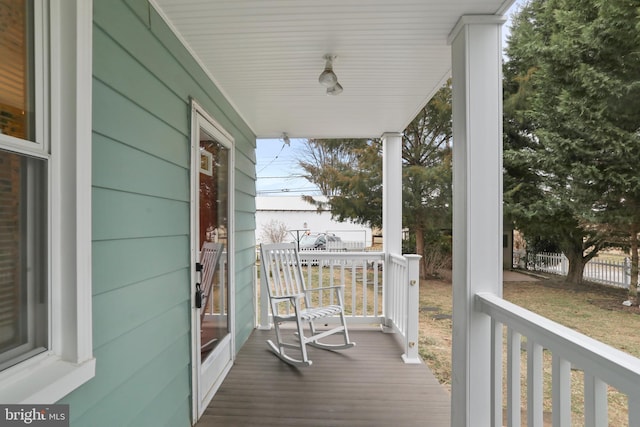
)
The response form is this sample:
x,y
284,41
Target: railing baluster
x,y
595,402
393,292
321,263
264,304
376,288
401,297
354,287
534,383
222,288
331,283
561,391
365,288
496,373
634,411
513,378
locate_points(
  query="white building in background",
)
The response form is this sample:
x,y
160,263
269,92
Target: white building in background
x,y
300,216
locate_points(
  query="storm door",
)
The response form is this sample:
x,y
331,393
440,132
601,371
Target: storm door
x,y
211,250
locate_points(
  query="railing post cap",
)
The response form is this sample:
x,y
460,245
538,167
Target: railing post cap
x,y
412,256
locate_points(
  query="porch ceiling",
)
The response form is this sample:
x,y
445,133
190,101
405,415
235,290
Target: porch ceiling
x,y
266,55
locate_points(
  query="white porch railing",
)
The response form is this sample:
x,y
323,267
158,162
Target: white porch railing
x,y
403,302
361,274
376,292
602,366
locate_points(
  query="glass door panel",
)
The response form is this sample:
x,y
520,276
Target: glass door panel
x,y
213,227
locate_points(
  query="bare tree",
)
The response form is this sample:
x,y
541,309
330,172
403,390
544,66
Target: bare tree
x,y
274,231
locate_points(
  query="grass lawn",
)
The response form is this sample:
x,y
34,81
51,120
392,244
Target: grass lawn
x,y
593,310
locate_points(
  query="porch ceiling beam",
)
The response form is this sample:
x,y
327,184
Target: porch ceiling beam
x,y
477,209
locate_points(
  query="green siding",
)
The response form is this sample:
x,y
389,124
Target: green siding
x,y
126,301
120,215
245,222
129,356
120,263
245,310
140,390
245,163
165,409
141,8
122,120
248,201
121,167
133,79
144,80
245,184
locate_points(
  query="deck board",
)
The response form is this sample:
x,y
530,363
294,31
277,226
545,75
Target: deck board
x,y
367,385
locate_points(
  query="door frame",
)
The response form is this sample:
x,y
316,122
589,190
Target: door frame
x,y
225,351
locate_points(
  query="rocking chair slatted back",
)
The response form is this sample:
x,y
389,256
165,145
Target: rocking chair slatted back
x,y
210,255
281,264
290,302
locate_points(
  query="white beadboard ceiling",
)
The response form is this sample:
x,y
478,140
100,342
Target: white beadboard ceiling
x,y
266,56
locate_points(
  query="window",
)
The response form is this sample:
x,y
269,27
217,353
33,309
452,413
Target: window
x,y
17,70
45,244
23,258
23,195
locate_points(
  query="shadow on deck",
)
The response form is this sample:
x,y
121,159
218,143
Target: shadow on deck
x,y
367,385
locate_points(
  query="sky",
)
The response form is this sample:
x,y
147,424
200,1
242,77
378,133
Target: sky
x,y
278,171
277,163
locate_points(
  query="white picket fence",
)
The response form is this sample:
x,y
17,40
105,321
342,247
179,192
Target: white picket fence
x,y
608,272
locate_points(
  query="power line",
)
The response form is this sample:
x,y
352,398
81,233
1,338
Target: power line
x,y
274,159
282,177
311,190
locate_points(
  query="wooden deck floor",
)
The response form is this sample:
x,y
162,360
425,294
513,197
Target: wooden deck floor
x,y
367,386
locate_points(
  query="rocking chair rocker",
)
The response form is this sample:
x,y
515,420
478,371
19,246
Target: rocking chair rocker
x,y
291,302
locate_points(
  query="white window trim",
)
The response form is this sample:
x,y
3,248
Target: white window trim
x,y
69,363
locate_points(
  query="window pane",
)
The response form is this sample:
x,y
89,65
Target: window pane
x,y
16,69
214,226
23,258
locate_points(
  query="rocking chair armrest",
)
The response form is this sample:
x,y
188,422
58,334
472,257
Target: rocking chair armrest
x,y
326,288
287,298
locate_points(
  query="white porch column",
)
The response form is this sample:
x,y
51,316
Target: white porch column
x,y
391,211
477,209
392,192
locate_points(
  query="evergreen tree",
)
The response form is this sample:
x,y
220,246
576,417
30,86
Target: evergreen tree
x,y
572,117
349,173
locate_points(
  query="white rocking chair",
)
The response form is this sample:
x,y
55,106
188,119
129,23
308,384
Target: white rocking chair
x,y
291,302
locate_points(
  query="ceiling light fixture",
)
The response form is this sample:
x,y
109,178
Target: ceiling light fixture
x,y
335,89
328,78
